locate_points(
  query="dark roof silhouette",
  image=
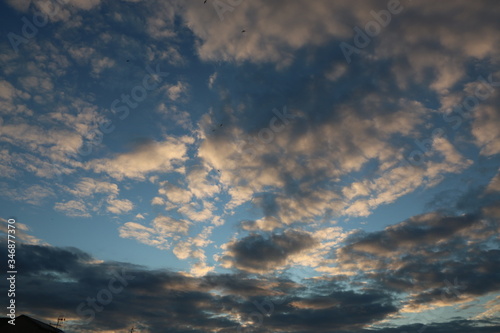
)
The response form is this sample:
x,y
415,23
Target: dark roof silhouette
x,y
25,324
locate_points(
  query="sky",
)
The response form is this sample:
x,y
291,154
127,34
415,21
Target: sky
x,y
251,165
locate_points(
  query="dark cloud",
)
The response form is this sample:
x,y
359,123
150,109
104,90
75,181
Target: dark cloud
x,y
337,311
439,259
419,231
164,301
445,259
256,253
457,326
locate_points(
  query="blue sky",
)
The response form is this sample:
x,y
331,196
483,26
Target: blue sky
x,y
331,159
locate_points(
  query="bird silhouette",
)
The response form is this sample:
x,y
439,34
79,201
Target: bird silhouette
x,y
205,1
243,31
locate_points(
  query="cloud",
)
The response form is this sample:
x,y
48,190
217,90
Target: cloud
x,y
175,91
418,231
418,256
180,117
98,193
346,311
222,302
257,254
119,206
264,224
209,303
167,225
145,235
316,183
494,185
36,139
21,5
73,208
148,158
192,248
24,5
89,186
211,80
492,309
8,97
198,211
101,64
44,144
174,193
336,72
22,233
201,184
486,121
33,195
82,54
458,43
282,32
456,326
162,233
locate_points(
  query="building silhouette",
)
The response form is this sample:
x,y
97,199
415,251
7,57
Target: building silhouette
x,y
25,324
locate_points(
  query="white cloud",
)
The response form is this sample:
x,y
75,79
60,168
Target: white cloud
x,y
72,208
173,113
201,269
403,179
163,231
211,80
174,193
145,235
353,140
165,225
100,64
160,25
281,32
117,206
46,143
7,169
485,129
200,184
153,157
158,201
88,186
264,224
175,91
36,83
22,233
34,194
8,92
198,212
192,248
82,54
494,185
